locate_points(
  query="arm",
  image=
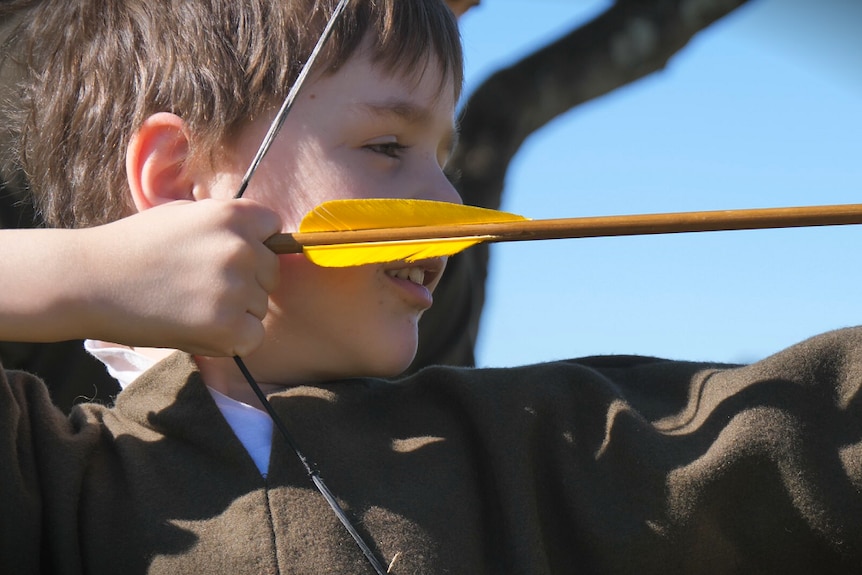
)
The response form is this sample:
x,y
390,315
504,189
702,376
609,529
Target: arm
x,y
187,275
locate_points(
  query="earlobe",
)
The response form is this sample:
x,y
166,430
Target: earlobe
x,y
157,162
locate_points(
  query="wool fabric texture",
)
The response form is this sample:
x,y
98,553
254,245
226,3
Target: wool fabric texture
x,y
615,464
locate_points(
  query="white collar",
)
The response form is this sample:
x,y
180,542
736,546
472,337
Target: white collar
x,y
123,363
252,426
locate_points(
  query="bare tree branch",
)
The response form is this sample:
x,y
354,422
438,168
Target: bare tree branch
x,y
631,40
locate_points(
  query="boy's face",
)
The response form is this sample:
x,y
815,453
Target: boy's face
x,y
360,133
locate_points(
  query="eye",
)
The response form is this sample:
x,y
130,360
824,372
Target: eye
x,y
389,149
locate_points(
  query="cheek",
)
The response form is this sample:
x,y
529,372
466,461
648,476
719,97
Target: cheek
x,y
290,185
289,205
299,278
307,289
334,174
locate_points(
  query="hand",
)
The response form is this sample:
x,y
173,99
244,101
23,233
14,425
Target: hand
x,y
193,276
190,275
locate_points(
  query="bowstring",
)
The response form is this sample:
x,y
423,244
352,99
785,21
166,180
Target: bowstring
x,y
287,105
266,143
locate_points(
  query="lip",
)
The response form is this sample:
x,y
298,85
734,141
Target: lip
x,y
418,295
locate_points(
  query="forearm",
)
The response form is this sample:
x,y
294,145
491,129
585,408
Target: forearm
x,y
190,276
52,285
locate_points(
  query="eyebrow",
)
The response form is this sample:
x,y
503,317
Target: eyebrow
x,y
408,112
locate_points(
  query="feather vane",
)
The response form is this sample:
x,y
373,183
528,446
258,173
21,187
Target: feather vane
x,y
383,213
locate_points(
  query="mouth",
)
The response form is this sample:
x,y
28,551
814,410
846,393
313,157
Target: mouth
x,y
424,273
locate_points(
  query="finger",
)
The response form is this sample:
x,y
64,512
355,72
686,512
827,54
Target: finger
x,y
267,272
263,221
258,305
251,336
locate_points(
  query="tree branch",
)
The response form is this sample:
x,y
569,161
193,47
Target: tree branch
x,y
632,39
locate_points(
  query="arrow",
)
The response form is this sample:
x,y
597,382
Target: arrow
x,y
345,233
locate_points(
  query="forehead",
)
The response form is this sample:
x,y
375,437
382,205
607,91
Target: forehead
x,y
411,93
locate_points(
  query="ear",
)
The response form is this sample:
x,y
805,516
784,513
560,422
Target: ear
x,y
157,162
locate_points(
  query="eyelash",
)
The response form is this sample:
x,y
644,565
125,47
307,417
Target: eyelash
x,y
389,149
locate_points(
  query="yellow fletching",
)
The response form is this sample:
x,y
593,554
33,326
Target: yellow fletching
x,y
380,213
377,213
346,255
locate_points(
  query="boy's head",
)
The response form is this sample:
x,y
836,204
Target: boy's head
x,y
158,101
99,69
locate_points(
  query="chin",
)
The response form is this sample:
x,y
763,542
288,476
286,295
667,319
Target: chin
x,y
387,362
391,366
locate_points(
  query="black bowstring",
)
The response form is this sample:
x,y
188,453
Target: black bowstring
x,y
310,467
311,470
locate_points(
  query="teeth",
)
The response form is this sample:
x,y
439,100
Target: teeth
x,y
415,275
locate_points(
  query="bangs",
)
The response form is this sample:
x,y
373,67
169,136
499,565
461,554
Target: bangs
x,y
405,36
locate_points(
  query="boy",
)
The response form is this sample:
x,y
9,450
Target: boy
x,y
601,465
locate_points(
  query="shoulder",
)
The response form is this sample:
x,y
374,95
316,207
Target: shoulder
x,y
37,427
24,397
824,370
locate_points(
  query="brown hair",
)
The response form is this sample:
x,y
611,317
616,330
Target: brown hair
x,y
95,70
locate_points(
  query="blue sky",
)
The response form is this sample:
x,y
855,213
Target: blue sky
x,y
763,109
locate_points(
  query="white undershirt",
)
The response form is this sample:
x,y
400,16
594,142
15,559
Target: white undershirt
x,y
252,426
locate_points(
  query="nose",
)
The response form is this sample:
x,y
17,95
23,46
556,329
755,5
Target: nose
x,y
437,186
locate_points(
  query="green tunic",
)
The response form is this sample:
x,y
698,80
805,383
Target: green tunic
x,y
598,465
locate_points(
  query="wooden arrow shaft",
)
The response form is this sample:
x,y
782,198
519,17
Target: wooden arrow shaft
x,y
587,227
